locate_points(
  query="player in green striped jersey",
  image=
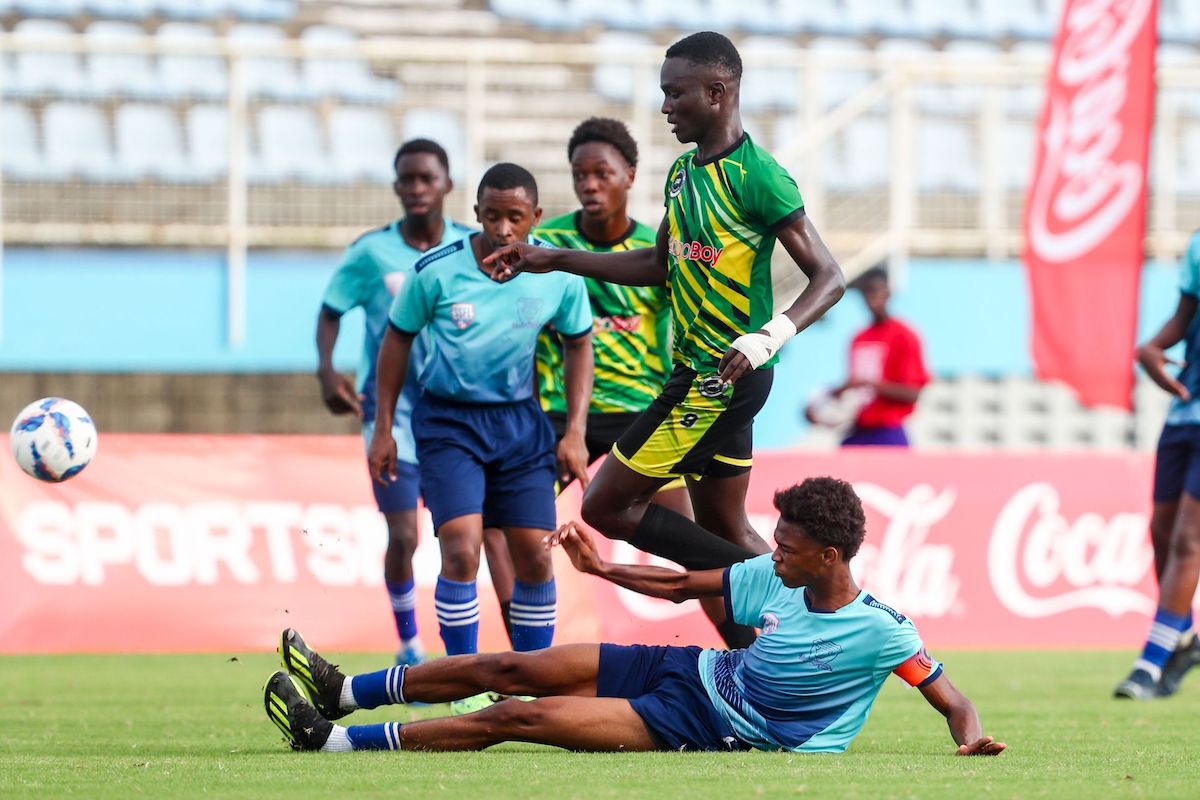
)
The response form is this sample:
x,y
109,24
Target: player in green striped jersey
x,y
728,202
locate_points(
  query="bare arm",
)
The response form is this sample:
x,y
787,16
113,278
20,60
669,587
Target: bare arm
x,y
337,391
642,267
961,716
668,584
1152,355
391,368
826,285
578,372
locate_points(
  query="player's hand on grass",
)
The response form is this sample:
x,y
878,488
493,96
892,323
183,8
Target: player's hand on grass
x,y
986,746
573,457
511,260
734,365
1154,360
381,457
338,393
579,546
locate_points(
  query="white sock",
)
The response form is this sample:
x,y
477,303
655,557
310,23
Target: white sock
x,y
346,703
338,741
1185,639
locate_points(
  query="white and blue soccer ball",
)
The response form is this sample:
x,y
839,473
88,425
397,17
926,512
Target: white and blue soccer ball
x,y
53,439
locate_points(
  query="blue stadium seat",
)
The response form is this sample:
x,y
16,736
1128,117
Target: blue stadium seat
x,y
347,78
45,72
21,155
269,76
150,143
182,74
120,9
362,143
77,143
289,146
445,128
48,8
208,142
770,86
191,9
130,73
263,10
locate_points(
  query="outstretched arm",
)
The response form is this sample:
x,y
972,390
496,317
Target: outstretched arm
x,y
1152,355
962,718
668,584
826,285
645,266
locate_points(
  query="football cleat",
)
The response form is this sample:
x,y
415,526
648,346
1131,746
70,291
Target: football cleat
x,y
1138,686
301,724
469,705
1177,666
322,680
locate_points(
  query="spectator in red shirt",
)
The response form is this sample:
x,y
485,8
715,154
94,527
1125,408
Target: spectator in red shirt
x,y
886,366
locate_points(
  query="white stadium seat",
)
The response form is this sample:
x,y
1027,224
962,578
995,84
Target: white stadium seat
x,y
362,143
443,127
289,146
149,142
77,142
610,13
614,76
21,154
765,86
348,78
111,72
887,17
839,81
208,141
186,74
862,161
45,72
191,9
946,157
1016,153
48,8
120,9
268,75
263,10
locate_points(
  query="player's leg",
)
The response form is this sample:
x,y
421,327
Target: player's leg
x,y
500,568
456,598
398,503
1162,525
1176,482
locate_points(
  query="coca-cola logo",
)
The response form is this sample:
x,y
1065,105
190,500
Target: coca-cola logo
x,y
1041,564
1092,175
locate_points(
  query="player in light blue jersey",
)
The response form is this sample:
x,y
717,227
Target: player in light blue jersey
x,y
486,450
372,271
805,685
1172,648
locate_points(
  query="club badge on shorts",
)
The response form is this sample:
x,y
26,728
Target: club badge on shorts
x,y
712,386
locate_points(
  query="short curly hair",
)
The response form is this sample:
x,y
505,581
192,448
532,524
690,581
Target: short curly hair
x,y
709,49
828,509
606,130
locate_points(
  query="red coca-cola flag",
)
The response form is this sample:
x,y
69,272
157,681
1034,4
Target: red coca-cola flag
x,y
1085,211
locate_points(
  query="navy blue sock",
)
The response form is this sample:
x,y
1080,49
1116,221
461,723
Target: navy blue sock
x,y
384,736
458,615
1164,637
404,608
382,688
533,615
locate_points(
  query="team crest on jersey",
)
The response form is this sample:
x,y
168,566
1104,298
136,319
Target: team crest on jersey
x,y
712,386
676,184
527,311
462,314
770,623
821,654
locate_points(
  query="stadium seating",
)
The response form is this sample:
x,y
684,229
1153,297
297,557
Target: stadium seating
x,y
444,127
289,146
361,141
21,152
36,74
128,73
346,78
273,77
208,142
182,74
149,143
77,143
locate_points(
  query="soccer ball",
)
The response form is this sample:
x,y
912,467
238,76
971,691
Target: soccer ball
x,y
53,439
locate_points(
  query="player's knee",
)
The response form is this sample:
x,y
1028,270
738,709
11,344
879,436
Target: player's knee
x,y
1185,544
460,561
600,513
507,673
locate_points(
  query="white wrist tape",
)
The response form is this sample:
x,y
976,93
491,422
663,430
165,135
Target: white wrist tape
x,y
760,346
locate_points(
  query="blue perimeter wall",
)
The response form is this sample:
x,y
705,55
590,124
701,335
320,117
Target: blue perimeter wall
x,y
164,311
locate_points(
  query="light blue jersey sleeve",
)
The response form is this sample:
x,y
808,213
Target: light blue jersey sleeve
x,y
1189,268
351,284
413,307
574,317
748,587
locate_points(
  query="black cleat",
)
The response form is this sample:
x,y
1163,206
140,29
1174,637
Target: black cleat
x,y
302,726
1177,666
322,680
1138,686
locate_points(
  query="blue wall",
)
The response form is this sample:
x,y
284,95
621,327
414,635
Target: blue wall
x,y
164,310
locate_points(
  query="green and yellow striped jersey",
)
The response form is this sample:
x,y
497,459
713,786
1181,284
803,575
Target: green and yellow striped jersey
x,y
630,332
723,216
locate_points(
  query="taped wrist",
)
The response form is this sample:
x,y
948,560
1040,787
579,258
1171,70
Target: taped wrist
x,y
760,346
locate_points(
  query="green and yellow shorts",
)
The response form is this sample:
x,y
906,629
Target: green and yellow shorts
x,y
696,427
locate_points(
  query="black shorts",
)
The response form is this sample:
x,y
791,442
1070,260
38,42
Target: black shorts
x,y
603,430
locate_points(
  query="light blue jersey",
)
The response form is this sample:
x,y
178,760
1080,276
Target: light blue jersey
x,y
808,681
373,268
1181,413
482,334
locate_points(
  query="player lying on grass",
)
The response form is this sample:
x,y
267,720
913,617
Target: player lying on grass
x,y
805,685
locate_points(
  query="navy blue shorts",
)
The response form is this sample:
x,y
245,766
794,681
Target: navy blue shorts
x,y
494,460
400,494
889,436
663,686
1177,463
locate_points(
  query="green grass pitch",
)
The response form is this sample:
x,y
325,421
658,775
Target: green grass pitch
x,y
184,726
